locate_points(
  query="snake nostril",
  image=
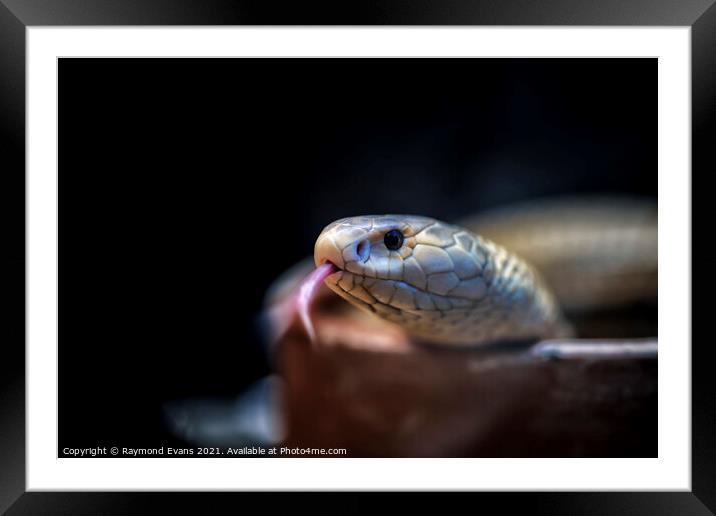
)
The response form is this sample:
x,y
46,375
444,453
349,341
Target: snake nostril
x,y
363,250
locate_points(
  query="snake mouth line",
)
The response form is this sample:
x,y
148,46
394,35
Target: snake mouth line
x,y
335,269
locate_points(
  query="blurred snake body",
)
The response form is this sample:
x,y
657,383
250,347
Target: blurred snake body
x,y
507,275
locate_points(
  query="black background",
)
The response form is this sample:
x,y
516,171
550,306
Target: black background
x,y
186,186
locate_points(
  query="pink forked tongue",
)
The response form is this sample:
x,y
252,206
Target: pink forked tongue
x,y
298,302
306,292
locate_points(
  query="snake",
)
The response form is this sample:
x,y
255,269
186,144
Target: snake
x,y
522,272
505,275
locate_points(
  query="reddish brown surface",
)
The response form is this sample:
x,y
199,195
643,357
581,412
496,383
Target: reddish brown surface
x,y
368,389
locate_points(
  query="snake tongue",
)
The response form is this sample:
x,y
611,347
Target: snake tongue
x,y
300,301
282,314
307,292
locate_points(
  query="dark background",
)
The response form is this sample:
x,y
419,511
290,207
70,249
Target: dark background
x,y
187,186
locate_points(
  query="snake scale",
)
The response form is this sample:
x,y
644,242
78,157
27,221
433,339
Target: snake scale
x,y
510,274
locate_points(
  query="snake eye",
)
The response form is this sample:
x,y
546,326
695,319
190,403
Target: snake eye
x,y
393,240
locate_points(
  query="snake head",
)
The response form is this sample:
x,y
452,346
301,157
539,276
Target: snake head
x,y
408,269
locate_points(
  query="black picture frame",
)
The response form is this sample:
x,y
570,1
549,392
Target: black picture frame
x,y
17,15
